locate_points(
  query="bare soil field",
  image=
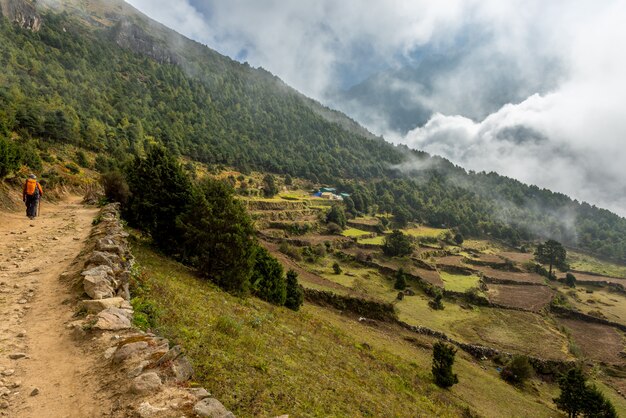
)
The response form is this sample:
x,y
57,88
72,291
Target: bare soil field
x,y
516,257
582,276
597,342
532,298
522,278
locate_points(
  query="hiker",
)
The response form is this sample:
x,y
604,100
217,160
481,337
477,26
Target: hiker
x,y
30,195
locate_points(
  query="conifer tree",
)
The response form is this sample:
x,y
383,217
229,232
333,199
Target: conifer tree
x,y
295,294
400,283
268,280
443,359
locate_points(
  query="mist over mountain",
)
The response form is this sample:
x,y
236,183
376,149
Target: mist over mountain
x,y
553,69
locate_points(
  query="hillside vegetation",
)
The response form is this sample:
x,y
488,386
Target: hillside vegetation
x,y
114,85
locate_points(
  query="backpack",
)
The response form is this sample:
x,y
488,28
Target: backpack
x,y
32,188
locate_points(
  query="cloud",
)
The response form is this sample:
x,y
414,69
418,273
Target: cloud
x,y
570,140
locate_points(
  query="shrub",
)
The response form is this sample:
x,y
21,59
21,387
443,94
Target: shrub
x,y
270,189
73,168
115,187
443,359
295,294
397,244
81,159
517,370
570,280
268,281
336,215
458,239
436,303
400,283
289,250
336,268
9,157
333,228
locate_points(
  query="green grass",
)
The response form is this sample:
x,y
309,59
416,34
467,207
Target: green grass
x,y
425,231
583,262
458,282
261,360
611,304
378,240
353,232
508,330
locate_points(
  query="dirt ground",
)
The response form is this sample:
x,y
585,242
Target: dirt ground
x,y
597,342
44,372
532,298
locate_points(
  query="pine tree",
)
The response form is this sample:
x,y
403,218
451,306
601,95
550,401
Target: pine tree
x,y
443,359
573,392
551,252
160,193
218,237
295,294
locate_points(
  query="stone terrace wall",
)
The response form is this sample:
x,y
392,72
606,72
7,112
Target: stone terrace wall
x,y
151,375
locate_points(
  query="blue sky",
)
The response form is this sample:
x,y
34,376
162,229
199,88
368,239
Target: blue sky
x,y
563,62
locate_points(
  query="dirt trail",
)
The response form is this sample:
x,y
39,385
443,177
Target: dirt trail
x,y
34,313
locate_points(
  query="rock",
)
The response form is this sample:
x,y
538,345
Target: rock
x,y
16,356
112,319
55,238
34,392
4,391
171,355
146,383
182,369
127,350
4,404
145,410
99,258
98,305
8,372
212,408
15,384
98,282
199,393
138,370
22,301
109,352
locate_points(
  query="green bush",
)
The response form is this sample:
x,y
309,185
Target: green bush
x,y
115,187
336,268
517,370
400,283
443,359
10,158
268,280
397,244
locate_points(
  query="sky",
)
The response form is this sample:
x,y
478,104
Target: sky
x,y
533,90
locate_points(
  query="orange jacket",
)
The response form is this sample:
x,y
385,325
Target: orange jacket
x,y
29,188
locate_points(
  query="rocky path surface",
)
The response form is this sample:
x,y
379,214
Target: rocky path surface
x,y
43,372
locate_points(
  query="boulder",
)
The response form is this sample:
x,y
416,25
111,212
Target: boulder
x,y
112,319
98,282
98,305
127,350
199,393
212,408
99,258
182,369
171,355
145,410
146,383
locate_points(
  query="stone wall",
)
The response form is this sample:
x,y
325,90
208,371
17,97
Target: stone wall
x,y
569,313
152,376
371,309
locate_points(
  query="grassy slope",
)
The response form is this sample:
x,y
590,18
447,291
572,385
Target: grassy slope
x,y
262,361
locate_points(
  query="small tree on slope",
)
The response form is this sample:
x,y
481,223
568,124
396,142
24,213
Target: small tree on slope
x,y
295,295
443,359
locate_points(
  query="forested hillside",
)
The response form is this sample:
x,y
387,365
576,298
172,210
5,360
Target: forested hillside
x,y
118,86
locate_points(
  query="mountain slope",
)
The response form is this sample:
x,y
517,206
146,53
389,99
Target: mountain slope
x,y
109,79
